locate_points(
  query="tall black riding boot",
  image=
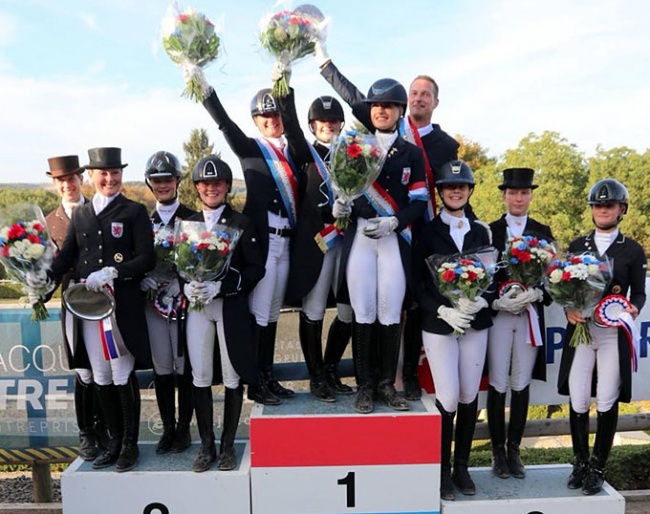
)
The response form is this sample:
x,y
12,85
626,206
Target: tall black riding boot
x,y
260,391
579,424
268,348
130,402
412,348
361,350
496,407
389,339
109,401
311,333
337,340
183,437
465,423
165,397
518,416
204,419
84,395
447,435
605,432
234,399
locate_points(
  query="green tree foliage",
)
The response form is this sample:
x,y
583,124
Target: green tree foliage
x,y
633,169
196,147
561,173
47,200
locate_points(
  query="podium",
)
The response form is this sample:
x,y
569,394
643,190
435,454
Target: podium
x,y
309,457
160,484
543,491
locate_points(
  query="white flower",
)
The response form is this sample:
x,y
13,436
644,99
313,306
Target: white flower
x,y
556,276
34,252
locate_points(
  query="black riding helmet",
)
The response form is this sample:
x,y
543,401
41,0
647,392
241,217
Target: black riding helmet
x,y
162,165
211,168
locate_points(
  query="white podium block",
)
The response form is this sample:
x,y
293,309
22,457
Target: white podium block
x,y
308,457
160,484
543,491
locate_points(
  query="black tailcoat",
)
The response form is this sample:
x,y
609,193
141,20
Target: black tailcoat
x,y
121,237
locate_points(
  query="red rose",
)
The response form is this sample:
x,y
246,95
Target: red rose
x,y
354,151
202,246
523,256
38,227
448,275
33,238
16,231
183,18
471,275
566,276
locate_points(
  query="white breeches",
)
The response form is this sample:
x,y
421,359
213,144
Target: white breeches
x,y
163,336
509,353
456,364
85,375
265,300
315,302
375,278
603,354
203,330
105,372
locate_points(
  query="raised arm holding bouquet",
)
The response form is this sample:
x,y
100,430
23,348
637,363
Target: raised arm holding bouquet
x,y
290,35
191,40
612,348
26,251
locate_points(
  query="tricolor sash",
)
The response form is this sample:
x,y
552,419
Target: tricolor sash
x,y
113,345
282,173
324,173
328,237
633,337
385,205
409,131
534,333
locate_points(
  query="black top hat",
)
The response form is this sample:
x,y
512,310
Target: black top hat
x,y
64,165
518,178
105,158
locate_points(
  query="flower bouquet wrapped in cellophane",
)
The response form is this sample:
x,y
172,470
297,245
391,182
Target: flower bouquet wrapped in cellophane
x,y
190,40
289,35
463,275
26,251
577,282
527,257
203,255
163,244
356,162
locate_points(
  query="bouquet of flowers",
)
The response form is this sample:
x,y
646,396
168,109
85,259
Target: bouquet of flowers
x,y
527,258
191,41
26,247
289,36
163,243
356,162
577,282
459,276
203,255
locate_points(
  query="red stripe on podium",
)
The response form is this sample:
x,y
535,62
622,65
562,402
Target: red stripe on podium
x,y
344,440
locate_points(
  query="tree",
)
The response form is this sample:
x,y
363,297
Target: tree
x,y
45,199
473,153
633,170
197,147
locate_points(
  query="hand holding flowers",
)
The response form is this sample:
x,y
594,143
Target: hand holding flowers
x,y
357,160
190,40
577,283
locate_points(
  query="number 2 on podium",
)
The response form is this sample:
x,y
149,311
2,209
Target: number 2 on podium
x,y
348,481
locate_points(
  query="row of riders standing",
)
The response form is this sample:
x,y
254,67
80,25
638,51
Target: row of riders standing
x,y
376,271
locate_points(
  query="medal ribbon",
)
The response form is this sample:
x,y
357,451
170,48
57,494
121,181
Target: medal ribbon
x,y
111,340
282,173
633,338
534,333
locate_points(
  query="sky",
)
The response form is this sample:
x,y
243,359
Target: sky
x,y
78,74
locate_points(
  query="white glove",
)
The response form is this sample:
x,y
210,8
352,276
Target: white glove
x,y
38,281
277,71
148,283
471,307
320,54
98,279
172,290
456,319
531,295
380,227
342,208
201,291
508,303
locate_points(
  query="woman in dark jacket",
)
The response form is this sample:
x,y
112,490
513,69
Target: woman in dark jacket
x,y
602,368
454,338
